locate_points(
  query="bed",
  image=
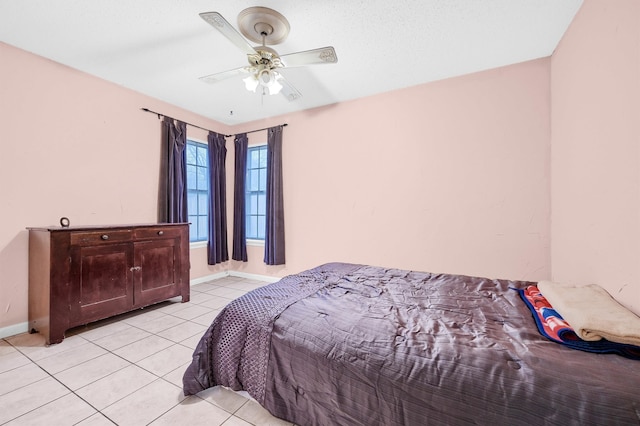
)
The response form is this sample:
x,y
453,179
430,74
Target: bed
x,y
346,344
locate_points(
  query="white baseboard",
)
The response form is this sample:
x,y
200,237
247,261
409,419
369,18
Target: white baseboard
x,y
206,278
266,278
14,329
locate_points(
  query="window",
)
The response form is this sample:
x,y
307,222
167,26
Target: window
x,y
198,190
256,192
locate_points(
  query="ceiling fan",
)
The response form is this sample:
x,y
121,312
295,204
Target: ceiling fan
x,y
268,27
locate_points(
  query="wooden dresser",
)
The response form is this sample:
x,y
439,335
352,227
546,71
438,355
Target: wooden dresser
x,y
82,274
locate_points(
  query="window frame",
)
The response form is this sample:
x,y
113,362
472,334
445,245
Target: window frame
x,y
248,213
194,226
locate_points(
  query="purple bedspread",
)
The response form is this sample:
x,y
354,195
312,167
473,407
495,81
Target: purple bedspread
x,y
346,344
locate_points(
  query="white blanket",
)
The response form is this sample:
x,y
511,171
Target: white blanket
x,y
592,312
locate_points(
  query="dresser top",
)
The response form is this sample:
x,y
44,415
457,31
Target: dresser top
x,y
58,228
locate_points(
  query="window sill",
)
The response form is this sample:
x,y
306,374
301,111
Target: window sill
x,y
203,244
197,244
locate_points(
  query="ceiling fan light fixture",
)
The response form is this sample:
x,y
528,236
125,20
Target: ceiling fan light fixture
x,y
265,77
251,83
275,87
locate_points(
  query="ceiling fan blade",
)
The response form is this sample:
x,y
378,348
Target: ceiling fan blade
x,y
219,23
214,78
288,90
323,55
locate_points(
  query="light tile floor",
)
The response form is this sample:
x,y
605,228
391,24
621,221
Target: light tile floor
x,y
125,370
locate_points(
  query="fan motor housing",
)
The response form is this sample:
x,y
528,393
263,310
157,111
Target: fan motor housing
x,y
260,24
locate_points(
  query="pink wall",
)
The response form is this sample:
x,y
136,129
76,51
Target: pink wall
x,y
77,146
446,177
451,176
595,171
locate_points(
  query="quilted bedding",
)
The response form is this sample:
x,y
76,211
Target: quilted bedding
x,y
345,344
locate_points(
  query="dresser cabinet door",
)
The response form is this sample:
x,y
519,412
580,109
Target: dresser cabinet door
x,y
101,281
157,270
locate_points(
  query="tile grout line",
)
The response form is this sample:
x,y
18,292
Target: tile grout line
x,y
231,415
61,383
84,400
108,351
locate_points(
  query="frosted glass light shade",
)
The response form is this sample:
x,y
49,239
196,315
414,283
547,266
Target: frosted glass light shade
x,y
251,83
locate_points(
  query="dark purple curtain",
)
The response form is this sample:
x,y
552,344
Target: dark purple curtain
x,y
274,235
173,181
239,219
217,249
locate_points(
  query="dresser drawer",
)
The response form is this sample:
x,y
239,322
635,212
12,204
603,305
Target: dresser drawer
x,y
100,237
156,232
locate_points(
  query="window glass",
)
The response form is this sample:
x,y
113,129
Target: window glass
x,y
256,187
203,178
203,204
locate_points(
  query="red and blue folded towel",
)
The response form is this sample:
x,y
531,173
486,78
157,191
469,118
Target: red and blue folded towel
x,y
551,325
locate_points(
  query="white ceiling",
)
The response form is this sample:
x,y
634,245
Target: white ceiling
x,y
161,47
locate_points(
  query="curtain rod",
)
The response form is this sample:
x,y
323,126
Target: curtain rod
x,y
209,130
257,130
189,124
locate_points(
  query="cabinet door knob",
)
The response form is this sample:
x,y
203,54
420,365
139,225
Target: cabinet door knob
x,y
105,237
135,268
160,232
